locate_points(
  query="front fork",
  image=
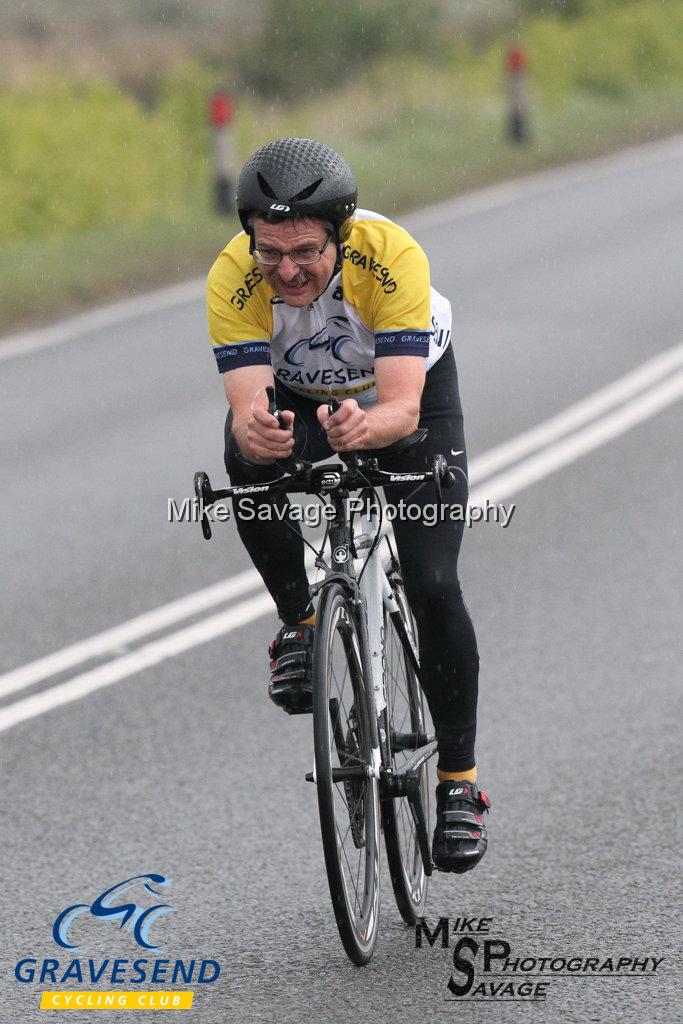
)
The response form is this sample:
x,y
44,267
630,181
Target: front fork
x,y
371,649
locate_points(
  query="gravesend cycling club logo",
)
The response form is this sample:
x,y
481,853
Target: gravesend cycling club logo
x,y
331,339
136,907
486,968
138,920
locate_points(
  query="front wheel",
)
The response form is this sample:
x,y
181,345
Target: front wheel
x,y
349,806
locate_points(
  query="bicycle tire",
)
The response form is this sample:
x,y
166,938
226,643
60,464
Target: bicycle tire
x,y
405,715
349,811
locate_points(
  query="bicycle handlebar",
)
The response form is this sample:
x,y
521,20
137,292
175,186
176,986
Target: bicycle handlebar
x,y
360,470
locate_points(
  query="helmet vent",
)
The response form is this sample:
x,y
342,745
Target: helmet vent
x,y
265,187
307,192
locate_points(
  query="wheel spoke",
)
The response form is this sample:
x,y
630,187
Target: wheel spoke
x,y
355,892
360,861
404,716
349,808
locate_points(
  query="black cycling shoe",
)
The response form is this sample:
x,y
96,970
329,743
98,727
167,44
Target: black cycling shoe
x,y
290,664
460,834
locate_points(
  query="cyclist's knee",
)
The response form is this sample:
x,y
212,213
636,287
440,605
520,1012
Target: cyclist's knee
x,y
434,594
442,615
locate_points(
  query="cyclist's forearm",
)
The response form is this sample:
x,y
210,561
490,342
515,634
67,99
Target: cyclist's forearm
x,y
392,420
245,387
239,432
400,380
258,436
242,386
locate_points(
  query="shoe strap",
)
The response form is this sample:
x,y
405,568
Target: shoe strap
x,y
469,794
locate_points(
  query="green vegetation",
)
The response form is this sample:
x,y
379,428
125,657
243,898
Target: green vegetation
x,y
304,51
103,191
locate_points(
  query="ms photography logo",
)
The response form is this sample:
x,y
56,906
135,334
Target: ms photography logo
x,y
127,906
487,969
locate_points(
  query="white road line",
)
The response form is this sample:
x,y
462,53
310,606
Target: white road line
x,y
111,640
440,214
145,657
529,471
118,636
106,643
576,415
506,193
112,315
548,461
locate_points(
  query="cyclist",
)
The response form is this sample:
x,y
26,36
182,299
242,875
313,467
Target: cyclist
x,y
323,299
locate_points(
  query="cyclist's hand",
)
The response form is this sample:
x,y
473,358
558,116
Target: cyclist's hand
x,y
348,428
261,439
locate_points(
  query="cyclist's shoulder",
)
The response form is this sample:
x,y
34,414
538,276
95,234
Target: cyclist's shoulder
x,y
374,234
234,277
234,260
382,264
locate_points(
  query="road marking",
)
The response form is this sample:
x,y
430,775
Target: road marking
x,y
567,450
505,193
535,467
439,214
130,664
500,457
112,315
134,629
582,412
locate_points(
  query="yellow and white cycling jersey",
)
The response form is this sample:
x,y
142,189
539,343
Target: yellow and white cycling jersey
x,y
379,304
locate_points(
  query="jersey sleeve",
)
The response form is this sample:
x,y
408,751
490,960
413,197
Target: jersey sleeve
x,y
238,309
389,274
402,317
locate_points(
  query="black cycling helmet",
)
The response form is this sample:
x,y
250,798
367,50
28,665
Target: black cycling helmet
x,y
298,178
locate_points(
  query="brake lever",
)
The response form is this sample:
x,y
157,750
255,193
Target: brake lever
x,y
205,496
352,459
443,477
273,409
289,465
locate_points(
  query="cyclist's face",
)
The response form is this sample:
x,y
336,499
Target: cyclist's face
x,y
295,285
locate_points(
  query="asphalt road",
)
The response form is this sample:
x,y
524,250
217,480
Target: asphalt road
x,y
559,287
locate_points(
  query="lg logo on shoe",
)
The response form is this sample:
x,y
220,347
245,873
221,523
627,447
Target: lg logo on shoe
x,y
457,792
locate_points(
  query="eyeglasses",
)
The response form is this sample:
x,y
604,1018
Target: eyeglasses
x,y
302,257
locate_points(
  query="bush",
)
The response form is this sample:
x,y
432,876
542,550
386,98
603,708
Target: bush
x,y
611,52
77,155
74,155
182,102
313,44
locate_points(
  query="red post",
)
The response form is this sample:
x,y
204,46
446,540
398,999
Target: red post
x,y
516,60
518,115
221,111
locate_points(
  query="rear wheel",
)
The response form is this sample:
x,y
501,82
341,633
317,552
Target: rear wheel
x,y
405,724
349,815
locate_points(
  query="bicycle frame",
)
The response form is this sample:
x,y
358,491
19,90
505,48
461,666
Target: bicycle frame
x,y
370,591
371,595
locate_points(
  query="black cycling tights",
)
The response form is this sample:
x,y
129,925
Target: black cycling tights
x,y
428,554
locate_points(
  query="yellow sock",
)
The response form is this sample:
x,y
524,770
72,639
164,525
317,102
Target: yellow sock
x,y
310,621
467,776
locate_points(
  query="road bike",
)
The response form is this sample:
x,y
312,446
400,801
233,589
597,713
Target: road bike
x,y
371,745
